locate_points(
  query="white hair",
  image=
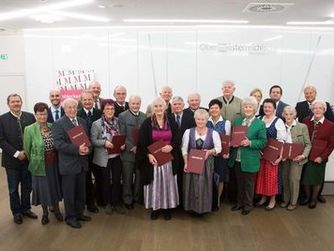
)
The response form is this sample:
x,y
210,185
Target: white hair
x,y
134,97
157,101
94,83
177,98
320,102
201,112
69,101
310,87
195,94
228,82
119,87
288,109
250,101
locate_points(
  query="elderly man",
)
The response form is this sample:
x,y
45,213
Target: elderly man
x,y
14,160
303,108
194,101
95,88
73,164
130,121
166,94
89,114
275,94
55,111
232,105
120,104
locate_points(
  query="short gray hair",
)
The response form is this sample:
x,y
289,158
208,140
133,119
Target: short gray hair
x,y
133,97
200,112
68,101
177,98
117,87
228,82
250,101
322,103
310,87
289,108
194,94
86,92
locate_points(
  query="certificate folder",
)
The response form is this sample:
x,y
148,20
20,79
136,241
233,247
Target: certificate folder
x,y
239,133
161,157
291,151
272,151
226,142
117,141
196,161
78,136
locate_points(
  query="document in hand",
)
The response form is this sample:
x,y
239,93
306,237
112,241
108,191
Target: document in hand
x,y
161,157
78,136
239,133
273,149
196,161
117,141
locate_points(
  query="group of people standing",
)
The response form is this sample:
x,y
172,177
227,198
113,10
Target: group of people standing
x,y
38,154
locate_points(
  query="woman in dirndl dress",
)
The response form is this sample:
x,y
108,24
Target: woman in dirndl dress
x,y
197,188
267,183
160,182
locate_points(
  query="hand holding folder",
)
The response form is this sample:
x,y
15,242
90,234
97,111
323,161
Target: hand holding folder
x,y
118,141
78,136
156,150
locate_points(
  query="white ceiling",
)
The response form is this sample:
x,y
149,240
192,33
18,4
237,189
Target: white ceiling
x,y
117,10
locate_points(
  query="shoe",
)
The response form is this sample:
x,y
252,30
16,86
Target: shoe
x,y
84,218
73,223
291,207
92,209
59,216
322,199
30,214
245,211
304,202
167,215
270,208
260,203
45,220
283,205
129,206
118,209
108,209
155,215
18,219
236,208
313,204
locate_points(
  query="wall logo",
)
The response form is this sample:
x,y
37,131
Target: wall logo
x,y
3,57
234,48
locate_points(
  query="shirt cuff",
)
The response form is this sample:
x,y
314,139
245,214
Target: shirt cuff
x,y
16,154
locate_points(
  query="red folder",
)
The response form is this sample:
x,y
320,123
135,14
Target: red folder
x,y
161,157
117,141
239,133
273,149
78,136
318,147
291,151
226,141
196,161
135,135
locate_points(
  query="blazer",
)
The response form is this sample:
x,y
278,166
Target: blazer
x,y
279,110
303,111
187,121
142,161
325,132
250,155
95,116
300,135
33,144
50,117
11,138
119,109
69,159
127,122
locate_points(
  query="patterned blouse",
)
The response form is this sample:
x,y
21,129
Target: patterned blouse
x,y
48,141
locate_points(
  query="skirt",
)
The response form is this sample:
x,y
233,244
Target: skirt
x,y
267,182
314,174
197,189
221,169
46,190
162,193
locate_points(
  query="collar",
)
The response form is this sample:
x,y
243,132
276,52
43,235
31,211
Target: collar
x,y
181,114
86,111
53,109
294,123
211,120
250,120
119,104
228,101
16,116
134,113
321,120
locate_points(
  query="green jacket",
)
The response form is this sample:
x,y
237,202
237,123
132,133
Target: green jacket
x,y
33,145
250,155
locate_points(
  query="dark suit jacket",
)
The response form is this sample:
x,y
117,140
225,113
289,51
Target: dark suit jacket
x,y
119,109
325,132
96,115
50,117
303,111
11,137
70,162
187,121
279,109
189,110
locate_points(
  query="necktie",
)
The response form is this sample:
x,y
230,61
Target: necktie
x,y
74,121
178,121
89,119
57,115
122,108
315,130
20,129
96,106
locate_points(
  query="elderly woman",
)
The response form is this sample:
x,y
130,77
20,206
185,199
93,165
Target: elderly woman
x,y
102,132
314,171
160,182
43,165
257,93
292,169
246,158
222,126
267,183
197,189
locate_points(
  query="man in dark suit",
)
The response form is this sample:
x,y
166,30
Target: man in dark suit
x,y
73,164
184,120
95,88
14,160
275,94
55,111
303,108
194,101
120,104
128,121
89,114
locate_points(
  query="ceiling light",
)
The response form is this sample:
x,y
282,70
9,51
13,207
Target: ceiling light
x,y
28,12
185,21
272,38
80,16
310,23
101,6
46,18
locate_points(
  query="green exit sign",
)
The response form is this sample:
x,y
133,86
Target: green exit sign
x,y
3,57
